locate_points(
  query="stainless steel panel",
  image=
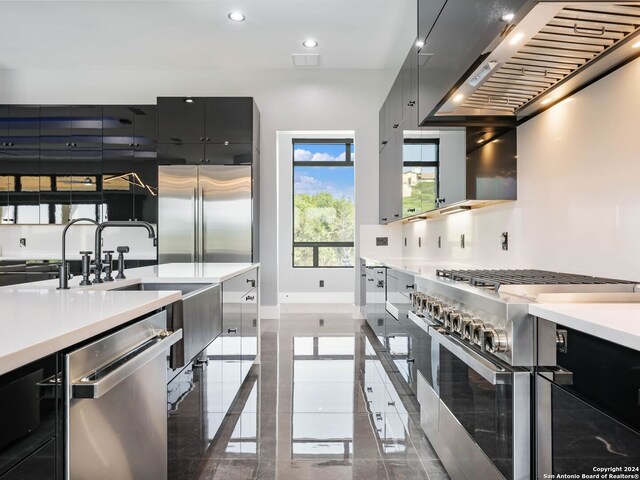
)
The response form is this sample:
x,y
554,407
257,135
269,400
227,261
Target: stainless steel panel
x,y
544,437
122,434
521,425
177,213
429,409
226,213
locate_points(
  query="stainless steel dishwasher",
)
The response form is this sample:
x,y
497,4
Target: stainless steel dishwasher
x,y
116,404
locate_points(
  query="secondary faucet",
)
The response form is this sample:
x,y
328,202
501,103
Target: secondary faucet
x,y
99,230
63,270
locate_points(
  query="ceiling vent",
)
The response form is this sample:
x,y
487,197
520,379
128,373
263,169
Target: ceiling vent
x,y
302,60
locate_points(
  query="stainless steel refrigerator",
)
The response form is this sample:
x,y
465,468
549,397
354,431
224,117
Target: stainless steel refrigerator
x,y
207,214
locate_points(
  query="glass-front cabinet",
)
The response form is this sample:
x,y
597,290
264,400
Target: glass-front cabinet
x,y
420,166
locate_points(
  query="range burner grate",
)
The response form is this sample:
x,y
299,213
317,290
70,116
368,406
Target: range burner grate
x,y
493,279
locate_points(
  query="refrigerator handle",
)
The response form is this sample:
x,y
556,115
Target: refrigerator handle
x,y
194,254
203,237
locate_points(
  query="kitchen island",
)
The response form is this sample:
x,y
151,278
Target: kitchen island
x,y
158,315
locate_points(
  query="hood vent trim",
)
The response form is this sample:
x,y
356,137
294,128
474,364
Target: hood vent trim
x,y
571,40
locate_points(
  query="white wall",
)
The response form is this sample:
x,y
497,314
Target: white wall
x,y
301,285
288,100
578,207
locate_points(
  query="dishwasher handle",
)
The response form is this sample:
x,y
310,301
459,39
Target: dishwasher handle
x,y
98,383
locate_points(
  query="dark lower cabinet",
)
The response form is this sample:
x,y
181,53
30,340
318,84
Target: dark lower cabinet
x,y
187,425
29,414
40,465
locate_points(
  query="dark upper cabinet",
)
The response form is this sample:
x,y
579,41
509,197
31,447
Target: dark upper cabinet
x,y
181,154
231,154
428,11
19,127
180,121
390,180
229,119
68,127
456,43
129,127
381,133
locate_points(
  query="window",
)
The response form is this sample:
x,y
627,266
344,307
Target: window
x,y
420,159
323,203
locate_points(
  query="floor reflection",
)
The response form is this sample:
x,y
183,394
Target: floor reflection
x,y
320,405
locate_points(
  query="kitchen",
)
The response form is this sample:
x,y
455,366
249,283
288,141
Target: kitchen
x,y
484,321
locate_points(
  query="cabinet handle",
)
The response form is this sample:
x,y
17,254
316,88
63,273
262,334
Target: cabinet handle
x,y
396,215
202,161
384,142
202,139
384,219
411,287
208,160
391,404
369,390
369,279
411,360
251,281
232,330
250,297
411,210
74,144
396,125
208,139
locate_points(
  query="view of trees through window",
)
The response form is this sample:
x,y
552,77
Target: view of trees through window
x,y
323,203
419,175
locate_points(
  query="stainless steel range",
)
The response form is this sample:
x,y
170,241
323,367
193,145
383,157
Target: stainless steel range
x,y
476,395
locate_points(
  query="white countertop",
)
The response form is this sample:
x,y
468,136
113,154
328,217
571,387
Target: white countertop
x,y
617,322
38,320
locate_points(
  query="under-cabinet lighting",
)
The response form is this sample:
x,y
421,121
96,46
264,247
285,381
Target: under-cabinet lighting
x,y
636,45
507,17
516,38
458,209
458,98
416,219
481,140
419,44
236,16
189,100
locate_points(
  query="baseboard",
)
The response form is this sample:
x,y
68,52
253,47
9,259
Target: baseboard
x,y
270,312
316,297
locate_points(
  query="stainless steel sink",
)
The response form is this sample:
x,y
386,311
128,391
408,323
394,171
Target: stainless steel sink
x,y
198,313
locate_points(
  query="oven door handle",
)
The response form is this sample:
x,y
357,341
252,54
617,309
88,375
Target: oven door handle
x,y
492,373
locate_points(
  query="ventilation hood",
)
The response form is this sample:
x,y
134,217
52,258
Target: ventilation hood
x,y
548,54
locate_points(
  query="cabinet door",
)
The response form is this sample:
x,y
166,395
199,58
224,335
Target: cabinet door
x,y
405,73
249,329
229,119
395,178
180,121
396,103
383,185
41,465
117,127
55,127
118,189
20,127
428,11
86,127
232,154
145,127
187,427
381,138
452,185
181,153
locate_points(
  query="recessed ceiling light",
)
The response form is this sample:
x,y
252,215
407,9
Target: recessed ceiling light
x,y
236,16
458,98
310,43
507,17
636,45
189,100
419,44
516,38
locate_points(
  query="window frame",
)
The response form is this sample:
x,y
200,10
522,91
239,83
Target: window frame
x,y
348,162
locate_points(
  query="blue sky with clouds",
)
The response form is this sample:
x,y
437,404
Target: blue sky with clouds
x,y
310,180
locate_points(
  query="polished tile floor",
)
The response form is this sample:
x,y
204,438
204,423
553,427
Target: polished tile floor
x,y
321,405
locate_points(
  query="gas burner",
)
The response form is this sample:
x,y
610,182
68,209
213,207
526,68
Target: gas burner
x,y
493,279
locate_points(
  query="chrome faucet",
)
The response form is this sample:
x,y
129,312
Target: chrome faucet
x,y
63,270
100,227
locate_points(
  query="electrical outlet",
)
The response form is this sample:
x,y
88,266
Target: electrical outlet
x,y
439,241
23,242
321,322
504,240
382,241
462,241
419,242
322,283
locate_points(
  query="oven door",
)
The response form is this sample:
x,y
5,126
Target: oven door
x,y
484,423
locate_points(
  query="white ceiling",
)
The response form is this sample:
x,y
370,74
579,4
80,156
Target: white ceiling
x,y
189,34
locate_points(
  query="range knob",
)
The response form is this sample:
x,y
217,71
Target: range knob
x,y
495,341
469,325
445,315
434,309
477,335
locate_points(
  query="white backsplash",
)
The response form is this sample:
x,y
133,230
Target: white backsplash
x,y
44,242
578,207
